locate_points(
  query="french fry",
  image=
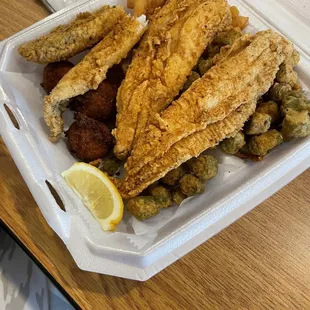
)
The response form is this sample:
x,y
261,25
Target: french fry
x,y
130,4
240,22
234,11
153,4
140,7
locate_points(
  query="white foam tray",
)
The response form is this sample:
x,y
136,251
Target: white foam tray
x,y
39,160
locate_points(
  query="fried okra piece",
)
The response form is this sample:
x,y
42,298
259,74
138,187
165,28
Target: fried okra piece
x,y
89,139
286,73
295,125
191,185
178,196
204,167
162,196
204,65
53,73
233,144
262,144
228,37
258,124
278,92
173,176
271,108
191,79
295,103
110,165
143,207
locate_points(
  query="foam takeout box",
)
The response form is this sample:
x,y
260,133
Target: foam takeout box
x,y
130,253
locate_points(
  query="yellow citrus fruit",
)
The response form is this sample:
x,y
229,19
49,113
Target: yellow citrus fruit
x,y
97,192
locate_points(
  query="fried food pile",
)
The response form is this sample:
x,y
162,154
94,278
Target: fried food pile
x,y
231,88
184,82
91,71
177,36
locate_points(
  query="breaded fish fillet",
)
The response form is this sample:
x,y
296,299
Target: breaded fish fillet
x,y
91,71
185,149
243,73
178,34
68,40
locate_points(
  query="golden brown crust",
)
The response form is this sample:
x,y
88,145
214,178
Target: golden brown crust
x,y
178,34
68,40
185,149
91,71
243,73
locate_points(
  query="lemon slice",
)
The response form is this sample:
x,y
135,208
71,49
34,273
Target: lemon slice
x,y
97,192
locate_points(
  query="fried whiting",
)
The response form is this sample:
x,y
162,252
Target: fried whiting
x,y
68,40
176,38
243,73
185,149
91,71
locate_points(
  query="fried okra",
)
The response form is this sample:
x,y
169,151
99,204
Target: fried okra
x,y
271,108
53,73
295,125
89,139
173,176
204,167
110,165
143,207
286,73
262,144
162,196
178,196
191,79
228,37
258,124
191,185
97,104
204,65
297,102
234,144
279,91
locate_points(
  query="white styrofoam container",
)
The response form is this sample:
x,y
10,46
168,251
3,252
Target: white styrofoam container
x,y
112,253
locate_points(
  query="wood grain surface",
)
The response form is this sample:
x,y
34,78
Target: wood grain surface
x,y
260,262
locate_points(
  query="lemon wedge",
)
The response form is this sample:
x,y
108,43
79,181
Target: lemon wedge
x,y
97,192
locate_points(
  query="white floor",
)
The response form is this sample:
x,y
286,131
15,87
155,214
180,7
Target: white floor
x,y
23,286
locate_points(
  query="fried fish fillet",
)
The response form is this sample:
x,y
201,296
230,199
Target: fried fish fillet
x,y
243,72
185,149
178,34
68,40
91,71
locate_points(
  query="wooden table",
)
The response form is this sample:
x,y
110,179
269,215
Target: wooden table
x,y
261,261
